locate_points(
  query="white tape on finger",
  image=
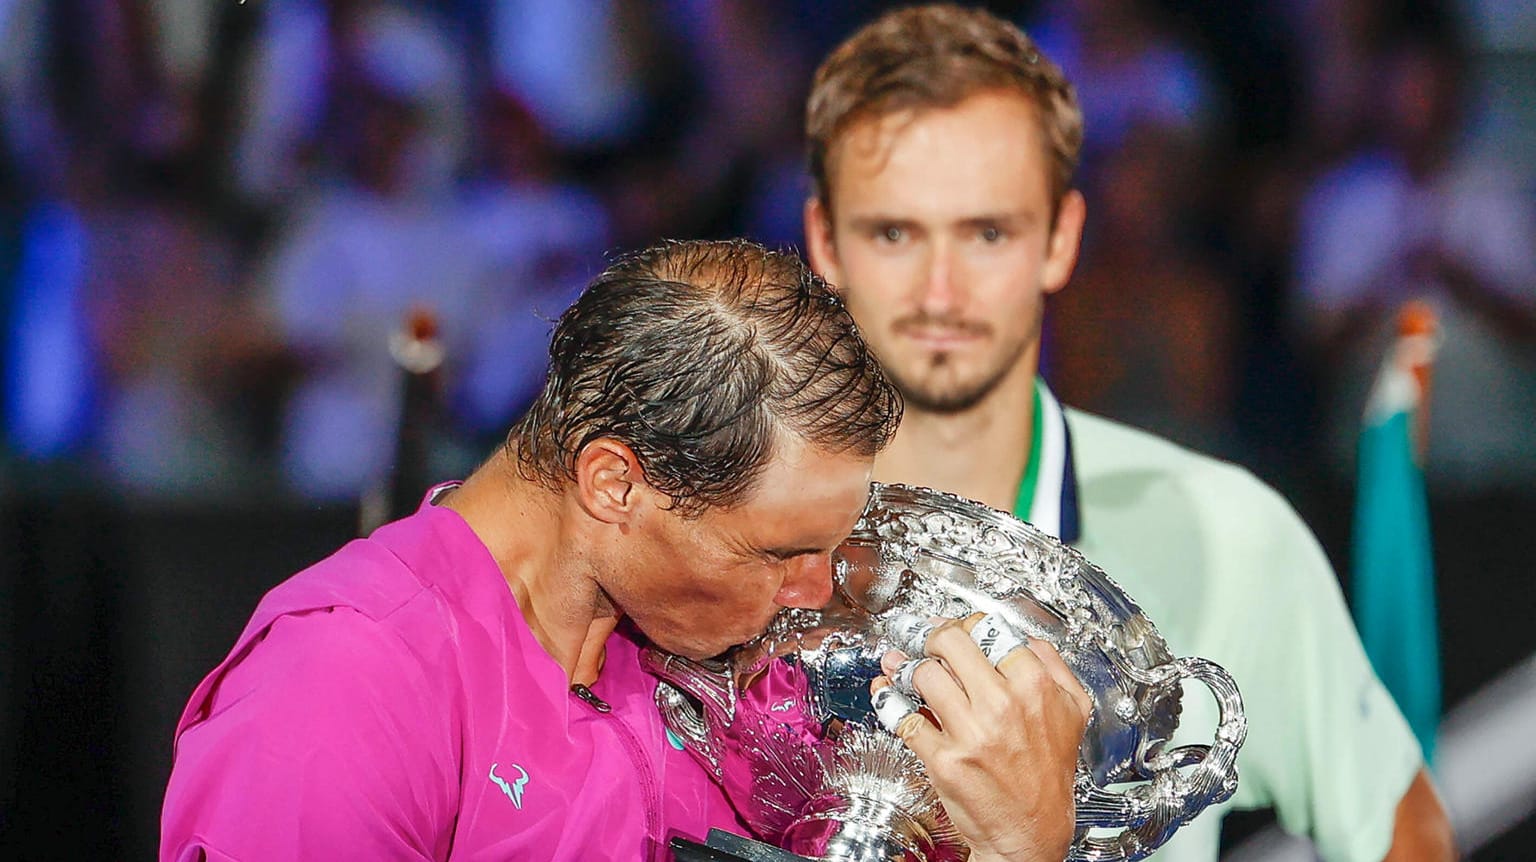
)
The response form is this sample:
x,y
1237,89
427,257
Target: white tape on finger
x,y
903,678
891,706
909,632
996,638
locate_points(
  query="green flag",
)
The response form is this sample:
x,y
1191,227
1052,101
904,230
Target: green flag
x,y
1393,565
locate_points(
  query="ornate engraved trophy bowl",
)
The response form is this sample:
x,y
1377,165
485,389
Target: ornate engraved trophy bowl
x,y
785,723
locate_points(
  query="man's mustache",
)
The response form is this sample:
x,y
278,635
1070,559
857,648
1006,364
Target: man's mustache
x,y
930,323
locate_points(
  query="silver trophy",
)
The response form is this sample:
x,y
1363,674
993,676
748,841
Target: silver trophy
x,y
786,725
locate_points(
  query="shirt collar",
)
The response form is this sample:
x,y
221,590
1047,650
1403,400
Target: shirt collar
x,y
436,493
1048,492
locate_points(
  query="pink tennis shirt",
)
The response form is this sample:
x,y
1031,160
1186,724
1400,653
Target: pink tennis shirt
x,y
390,702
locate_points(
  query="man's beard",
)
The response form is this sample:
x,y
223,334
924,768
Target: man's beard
x,y
932,390
936,394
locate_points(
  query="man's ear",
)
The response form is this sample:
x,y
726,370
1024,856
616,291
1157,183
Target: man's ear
x,y
819,247
1066,239
609,480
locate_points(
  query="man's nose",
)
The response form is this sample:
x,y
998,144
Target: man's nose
x,y
941,289
808,583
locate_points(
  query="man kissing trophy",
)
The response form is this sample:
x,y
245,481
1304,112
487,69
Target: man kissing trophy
x,y
788,725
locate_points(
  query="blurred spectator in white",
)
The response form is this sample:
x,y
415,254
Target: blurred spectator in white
x,y
1421,215
382,236
1145,332
539,239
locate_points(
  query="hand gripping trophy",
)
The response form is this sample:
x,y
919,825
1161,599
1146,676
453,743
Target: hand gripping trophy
x,y
787,725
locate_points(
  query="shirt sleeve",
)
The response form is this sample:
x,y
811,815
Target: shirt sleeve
x,y
325,740
1327,746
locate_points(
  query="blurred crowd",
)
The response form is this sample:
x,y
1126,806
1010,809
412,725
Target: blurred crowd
x,y
214,214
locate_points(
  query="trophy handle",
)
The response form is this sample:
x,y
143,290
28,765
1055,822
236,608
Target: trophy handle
x,y
691,697
1150,812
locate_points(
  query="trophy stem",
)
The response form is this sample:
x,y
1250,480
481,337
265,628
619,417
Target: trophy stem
x,y
857,829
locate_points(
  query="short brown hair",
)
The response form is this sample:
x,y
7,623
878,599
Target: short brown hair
x,y
936,56
696,355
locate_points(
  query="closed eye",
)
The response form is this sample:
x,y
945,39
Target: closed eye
x,y
784,555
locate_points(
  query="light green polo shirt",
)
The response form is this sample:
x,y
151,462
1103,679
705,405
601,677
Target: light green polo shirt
x,y
1226,570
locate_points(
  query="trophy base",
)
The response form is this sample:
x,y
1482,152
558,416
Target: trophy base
x,y
722,846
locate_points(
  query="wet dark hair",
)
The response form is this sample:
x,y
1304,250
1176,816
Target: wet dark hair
x,y
698,355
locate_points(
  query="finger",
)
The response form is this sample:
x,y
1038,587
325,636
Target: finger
x,y
909,632
965,660
925,680
943,696
902,678
996,638
900,716
892,706
1063,676
1040,665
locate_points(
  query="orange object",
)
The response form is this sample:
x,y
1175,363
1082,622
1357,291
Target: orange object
x,y
1417,320
421,323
